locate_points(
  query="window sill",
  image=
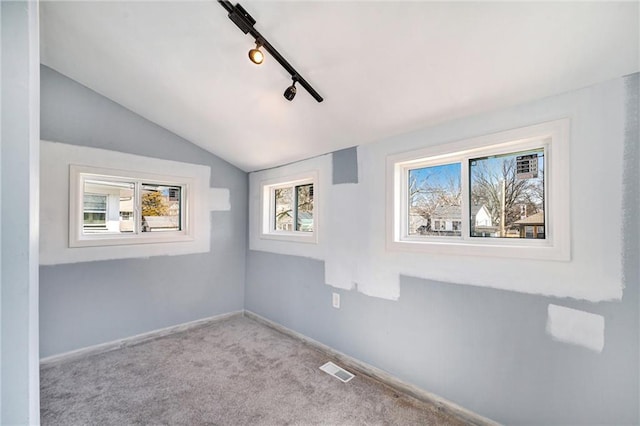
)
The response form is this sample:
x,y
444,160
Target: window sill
x,y
533,250
291,237
120,240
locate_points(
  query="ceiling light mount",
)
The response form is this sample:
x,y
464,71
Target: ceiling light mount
x,y
291,91
256,55
245,22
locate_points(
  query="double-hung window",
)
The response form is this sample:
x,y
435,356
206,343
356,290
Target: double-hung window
x,y
111,207
288,208
505,194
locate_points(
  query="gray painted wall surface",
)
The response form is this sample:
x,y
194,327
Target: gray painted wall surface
x,y
89,303
631,199
481,348
345,166
19,143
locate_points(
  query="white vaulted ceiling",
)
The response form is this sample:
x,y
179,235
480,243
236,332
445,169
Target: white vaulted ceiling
x,y
384,68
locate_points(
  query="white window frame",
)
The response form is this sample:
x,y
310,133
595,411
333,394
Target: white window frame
x,y
77,238
267,203
552,136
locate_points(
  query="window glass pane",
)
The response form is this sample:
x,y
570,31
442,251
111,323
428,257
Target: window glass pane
x,y
304,203
507,195
104,203
283,209
434,201
161,208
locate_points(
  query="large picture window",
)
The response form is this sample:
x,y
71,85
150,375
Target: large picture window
x,y
495,195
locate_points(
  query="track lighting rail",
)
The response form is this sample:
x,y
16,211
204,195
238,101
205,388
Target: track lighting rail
x,y
245,22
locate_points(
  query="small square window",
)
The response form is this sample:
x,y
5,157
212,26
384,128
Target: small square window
x,y
289,209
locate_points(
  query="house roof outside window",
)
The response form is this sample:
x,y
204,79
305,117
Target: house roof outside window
x,y
534,219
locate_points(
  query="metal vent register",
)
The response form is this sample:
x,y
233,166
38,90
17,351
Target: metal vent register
x,y
337,372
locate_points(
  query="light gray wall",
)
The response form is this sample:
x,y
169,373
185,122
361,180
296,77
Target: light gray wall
x,y
482,348
631,200
89,303
19,372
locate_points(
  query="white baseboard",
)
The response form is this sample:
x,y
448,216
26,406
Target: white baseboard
x,y
134,340
382,376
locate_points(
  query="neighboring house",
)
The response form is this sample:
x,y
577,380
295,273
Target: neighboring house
x,y
106,207
447,220
531,226
126,214
305,221
152,223
418,224
482,225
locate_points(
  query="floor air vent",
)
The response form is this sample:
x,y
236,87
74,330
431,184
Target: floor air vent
x,y
338,372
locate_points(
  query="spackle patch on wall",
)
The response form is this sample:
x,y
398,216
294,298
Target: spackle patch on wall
x,y
576,327
219,199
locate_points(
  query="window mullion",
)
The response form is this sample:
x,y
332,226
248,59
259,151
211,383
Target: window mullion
x,y
272,209
465,202
404,202
137,207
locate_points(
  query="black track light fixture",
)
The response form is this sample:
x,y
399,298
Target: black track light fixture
x,y
291,91
256,54
245,22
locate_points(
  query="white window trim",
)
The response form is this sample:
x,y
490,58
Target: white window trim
x,y
556,245
77,238
267,203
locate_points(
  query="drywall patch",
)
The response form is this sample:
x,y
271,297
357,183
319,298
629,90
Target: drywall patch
x,y
576,327
342,237
219,199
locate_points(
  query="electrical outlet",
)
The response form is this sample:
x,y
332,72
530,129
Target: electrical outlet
x,y
336,300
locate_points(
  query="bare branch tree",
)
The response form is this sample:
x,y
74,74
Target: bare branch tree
x,y
487,187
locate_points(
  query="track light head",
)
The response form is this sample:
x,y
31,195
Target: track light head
x,y
291,91
256,55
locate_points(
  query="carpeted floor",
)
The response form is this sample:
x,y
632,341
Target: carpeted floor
x,y
233,372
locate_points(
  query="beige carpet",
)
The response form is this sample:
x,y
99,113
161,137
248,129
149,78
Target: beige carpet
x,y
233,372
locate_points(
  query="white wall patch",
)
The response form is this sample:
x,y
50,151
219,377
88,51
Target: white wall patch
x,y
342,236
55,159
219,199
576,327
